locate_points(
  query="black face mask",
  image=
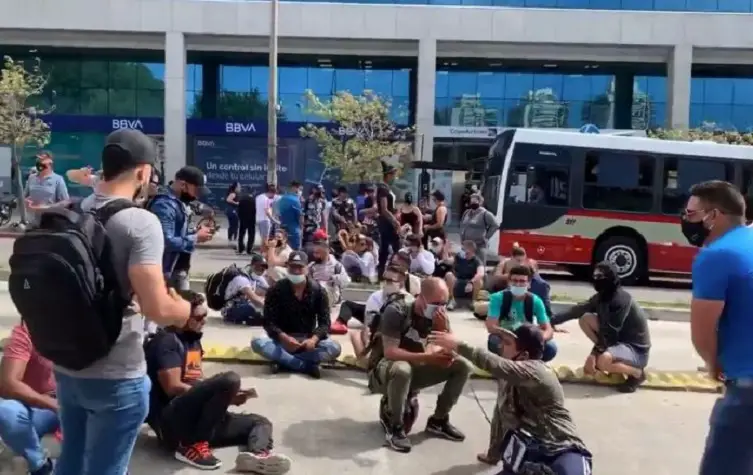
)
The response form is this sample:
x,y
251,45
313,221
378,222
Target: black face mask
x,y
41,166
186,197
695,232
319,260
603,285
475,205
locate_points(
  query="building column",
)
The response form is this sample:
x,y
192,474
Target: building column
x,y
623,100
678,87
210,88
175,103
425,95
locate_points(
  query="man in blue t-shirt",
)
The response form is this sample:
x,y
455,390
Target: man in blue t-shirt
x,y
290,210
721,318
514,306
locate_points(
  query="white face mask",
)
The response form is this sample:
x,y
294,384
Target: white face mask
x,y
518,290
296,279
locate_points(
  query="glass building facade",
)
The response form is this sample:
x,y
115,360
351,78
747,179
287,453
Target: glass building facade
x,y
730,6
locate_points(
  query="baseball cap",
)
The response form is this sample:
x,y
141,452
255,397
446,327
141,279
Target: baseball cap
x,y
529,338
193,176
257,258
298,258
387,167
131,146
44,155
320,235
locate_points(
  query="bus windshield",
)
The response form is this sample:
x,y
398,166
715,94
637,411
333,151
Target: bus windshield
x,y
492,177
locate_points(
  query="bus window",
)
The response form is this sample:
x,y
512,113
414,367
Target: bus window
x,y
618,181
747,190
539,175
682,173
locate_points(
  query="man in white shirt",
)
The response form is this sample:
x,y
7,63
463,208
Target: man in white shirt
x,y
422,262
264,214
244,294
326,270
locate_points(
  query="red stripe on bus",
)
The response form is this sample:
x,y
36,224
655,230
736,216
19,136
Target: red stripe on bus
x,y
622,216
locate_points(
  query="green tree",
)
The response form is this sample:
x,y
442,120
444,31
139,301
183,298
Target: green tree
x,y
238,105
707,132
364,134
21,122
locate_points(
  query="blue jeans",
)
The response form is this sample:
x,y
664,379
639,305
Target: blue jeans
x,y
101,419
326,350
494,343
728,447
232,224
242,313
294,238
22,427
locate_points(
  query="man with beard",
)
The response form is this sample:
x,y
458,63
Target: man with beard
x,y
171,210
617,326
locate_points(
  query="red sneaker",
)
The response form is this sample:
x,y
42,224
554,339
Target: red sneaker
x,y
338,328
58,435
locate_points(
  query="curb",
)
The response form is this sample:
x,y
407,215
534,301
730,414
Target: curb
x,y
686,381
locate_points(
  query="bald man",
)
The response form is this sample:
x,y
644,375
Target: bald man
x,y
400,363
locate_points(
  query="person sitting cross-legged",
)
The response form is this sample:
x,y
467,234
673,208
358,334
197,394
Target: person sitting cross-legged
x,y
515,305
297,320
28,409
399,362
617,326
466,278
190,414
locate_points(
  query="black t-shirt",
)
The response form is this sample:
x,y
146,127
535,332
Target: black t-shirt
x,y
383,191
246,207
465,267
167,350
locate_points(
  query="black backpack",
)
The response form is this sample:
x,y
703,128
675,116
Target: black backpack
x,y
64,285
399,298
507,299
216,285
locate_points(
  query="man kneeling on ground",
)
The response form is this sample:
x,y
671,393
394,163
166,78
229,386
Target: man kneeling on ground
x,y
616,325
400,363
28,410
297,320
516,305
189,413
531,425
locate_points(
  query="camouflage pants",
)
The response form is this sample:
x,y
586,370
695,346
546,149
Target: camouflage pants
x,y
396,379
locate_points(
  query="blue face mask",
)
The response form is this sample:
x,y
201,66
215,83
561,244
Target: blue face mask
x,y
518,291
296,279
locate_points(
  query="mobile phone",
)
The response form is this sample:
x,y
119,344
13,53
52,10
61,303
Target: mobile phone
x,y
250,393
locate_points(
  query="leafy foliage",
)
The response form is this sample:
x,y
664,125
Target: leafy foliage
x,y
20,122
705,133
364,134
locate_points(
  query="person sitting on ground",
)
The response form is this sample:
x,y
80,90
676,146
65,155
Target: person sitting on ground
x,y
28,409
517,257
496,283
359,257
442,258
393,282
190,414
297,320
402,260
617,326
530,406
277,253
467,276
399,363
517,305
244,294
329,273
421,260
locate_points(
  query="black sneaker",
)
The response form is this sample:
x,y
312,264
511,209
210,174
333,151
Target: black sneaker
x,y
198,455
313,372
397,440
443,428
631,383
45,469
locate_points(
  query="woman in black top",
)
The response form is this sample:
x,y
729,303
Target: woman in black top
x,y
231,210
434,222
409,214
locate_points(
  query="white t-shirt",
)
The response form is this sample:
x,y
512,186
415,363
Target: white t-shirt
x,y
373,305
367,263
263,202
424,262
238,285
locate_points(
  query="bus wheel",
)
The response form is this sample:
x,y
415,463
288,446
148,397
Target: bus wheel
x,y
626,255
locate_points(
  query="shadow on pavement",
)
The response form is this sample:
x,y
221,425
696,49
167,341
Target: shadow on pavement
x,y
339,439
582,391
468,469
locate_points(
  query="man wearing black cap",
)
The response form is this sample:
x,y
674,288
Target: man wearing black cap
x,y
530,408
171,208
106,403
387,223
297,320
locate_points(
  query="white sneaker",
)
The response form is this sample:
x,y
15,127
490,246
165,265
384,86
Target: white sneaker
x,y
263,464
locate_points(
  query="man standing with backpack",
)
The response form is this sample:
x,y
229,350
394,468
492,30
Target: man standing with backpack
x,y
82,282
516,305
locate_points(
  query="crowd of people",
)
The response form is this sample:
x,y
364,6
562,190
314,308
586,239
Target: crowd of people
x,y
292,287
